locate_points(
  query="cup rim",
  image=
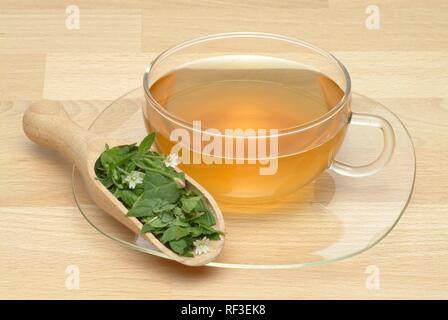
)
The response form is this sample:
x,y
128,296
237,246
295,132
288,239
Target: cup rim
x,y
281,132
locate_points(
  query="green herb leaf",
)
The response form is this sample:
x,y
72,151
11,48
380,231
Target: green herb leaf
x,y
179,246
148,207
166,217
159,186
207,219
146,143
128,197
157,223
189,204
169,234
115,156
215,236
174,233
196,231
147,228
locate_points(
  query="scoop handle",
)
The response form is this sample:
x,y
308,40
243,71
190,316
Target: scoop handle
x,y
48,124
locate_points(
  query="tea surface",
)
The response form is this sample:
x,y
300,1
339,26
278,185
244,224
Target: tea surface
x,y
262,93
277,97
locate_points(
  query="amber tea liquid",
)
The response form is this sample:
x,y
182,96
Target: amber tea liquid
x,y
251,93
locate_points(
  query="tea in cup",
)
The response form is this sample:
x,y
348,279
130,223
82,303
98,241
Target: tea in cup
x,y
254,116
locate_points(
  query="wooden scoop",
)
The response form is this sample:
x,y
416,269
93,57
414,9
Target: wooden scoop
x,y
46,123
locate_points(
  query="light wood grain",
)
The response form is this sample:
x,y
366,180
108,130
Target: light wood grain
x,y
340,26
403,65
42,30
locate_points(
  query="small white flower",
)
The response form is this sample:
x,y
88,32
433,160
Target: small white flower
x,y
172,160
134,179
201,246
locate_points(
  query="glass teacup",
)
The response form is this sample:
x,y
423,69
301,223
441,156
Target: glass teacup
x,y
254,116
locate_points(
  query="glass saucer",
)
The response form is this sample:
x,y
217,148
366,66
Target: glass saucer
x,y
333,218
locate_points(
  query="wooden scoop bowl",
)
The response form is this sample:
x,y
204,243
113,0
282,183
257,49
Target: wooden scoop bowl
x,y
47,124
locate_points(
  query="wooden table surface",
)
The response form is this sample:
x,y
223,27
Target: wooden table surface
x,y
403,64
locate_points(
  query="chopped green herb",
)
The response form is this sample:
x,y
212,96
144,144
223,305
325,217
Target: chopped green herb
x,y
155,194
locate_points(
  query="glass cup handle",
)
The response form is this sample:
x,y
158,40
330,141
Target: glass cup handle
x,y
368,120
